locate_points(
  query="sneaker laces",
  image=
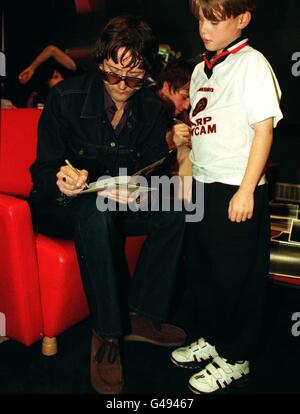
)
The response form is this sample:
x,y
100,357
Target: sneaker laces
x,y
110,347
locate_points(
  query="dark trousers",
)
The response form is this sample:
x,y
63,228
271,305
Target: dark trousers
x,y
227,269
99,239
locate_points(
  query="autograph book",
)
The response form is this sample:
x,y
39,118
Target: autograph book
x,y
126,181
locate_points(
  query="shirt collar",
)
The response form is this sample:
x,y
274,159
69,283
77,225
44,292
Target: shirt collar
x,y
110,107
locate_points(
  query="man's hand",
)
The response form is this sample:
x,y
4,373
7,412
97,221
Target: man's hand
x,y
120,195
70,182
181,135
241,206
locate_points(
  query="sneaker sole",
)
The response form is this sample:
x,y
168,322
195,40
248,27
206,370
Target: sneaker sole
x,y
192,364
137,338
240,383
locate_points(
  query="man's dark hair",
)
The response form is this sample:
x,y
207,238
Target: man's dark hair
x,y
221,9
177,74
132,34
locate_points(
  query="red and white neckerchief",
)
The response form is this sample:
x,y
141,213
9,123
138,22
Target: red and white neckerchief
x,y
212,60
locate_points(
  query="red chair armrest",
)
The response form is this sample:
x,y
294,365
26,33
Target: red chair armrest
x,y
19,282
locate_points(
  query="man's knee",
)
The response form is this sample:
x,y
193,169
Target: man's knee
x,y
174,219
89,215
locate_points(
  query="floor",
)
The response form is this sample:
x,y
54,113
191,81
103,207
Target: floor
x,y
148,370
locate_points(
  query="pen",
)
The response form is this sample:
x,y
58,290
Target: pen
x,y
177,121
75,170
72,168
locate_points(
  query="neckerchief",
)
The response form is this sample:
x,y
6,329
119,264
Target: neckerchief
x,y
211,59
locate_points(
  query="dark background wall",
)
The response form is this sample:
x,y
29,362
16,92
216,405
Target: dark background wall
x,y
275,30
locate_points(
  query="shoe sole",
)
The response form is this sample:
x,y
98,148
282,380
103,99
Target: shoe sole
x,y
137,338
240,383
114,390
191,365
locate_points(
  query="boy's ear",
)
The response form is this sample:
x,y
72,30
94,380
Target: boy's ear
x,y
244,20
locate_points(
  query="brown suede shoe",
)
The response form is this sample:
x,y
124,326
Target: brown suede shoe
x,y
106,367
145,330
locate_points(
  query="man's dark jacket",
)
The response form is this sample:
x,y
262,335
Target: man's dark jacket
x,y
74,126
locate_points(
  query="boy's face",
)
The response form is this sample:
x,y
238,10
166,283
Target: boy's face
x,y
216,35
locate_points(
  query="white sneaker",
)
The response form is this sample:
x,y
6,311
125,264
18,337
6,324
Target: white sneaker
x,y
217,375
194,355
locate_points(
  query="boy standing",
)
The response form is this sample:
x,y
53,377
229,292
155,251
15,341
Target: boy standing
x,y
234,107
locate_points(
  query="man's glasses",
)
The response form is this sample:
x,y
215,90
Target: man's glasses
x,y
113,78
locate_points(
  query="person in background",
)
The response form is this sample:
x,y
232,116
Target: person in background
x,y
7,104
172,86
234,107
50,52
47,76
102,122
51,66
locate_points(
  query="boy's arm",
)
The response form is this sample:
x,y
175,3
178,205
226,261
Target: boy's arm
x,y
184,162
242,203
185,173
49,52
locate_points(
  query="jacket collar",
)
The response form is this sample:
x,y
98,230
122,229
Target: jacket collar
x,y
93,105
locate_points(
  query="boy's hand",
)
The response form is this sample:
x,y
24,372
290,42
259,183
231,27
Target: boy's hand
x,y
241,206
184,189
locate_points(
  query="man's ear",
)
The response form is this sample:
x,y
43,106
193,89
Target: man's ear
x,y
244,20
100,66
165,88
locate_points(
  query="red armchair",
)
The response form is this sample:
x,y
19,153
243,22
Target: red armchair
x,y
41,292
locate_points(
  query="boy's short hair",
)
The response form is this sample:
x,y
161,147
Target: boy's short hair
x,y
216,10
135,36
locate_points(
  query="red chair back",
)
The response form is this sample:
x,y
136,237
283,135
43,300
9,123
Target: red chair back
x,y
17,152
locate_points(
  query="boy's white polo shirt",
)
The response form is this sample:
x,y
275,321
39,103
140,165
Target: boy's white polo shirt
x,y
242,91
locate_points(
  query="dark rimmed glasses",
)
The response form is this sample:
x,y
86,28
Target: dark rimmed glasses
x,y
113,78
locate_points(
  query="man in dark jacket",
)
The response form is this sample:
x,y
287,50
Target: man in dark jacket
x,y
102,122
